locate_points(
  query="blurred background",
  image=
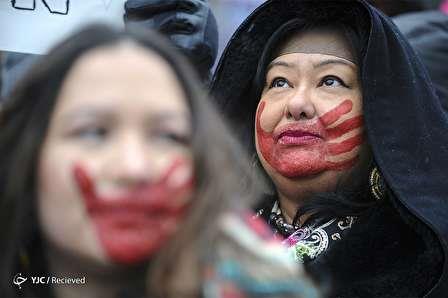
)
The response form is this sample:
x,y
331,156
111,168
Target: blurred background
x,y
230,13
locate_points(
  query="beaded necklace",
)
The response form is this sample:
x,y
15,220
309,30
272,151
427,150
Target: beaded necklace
x,y
277,221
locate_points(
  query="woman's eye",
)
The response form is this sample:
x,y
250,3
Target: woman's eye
x,y
280,83
91,133
173,137
332,82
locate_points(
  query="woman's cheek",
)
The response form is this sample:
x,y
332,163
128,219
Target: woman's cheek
x,y
61,213
269,114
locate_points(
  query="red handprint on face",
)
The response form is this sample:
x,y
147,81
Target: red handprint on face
x,y
306,148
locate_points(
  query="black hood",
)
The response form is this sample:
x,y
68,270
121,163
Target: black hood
x,y
406,126
427,32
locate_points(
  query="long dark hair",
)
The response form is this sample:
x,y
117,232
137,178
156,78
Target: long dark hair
x,y
219,163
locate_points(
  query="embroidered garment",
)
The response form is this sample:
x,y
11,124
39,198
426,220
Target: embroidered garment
x,y
310,240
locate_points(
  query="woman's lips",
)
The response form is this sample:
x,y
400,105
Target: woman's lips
x,y
128,220
298,134
297,138
150,203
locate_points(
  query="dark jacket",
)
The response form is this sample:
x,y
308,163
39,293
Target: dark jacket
x,y
399,247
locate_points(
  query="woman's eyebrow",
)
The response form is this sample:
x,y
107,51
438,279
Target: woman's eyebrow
x,y
315,65
88,112
168,116
278,63
334,61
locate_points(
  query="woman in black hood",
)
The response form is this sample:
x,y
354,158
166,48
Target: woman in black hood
x,y
340,114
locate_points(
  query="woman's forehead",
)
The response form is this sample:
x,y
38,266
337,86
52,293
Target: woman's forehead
x,y
119,76
320,40
297,61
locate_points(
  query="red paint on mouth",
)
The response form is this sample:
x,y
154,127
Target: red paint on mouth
x,y
296,135
298,140
302,148
131,227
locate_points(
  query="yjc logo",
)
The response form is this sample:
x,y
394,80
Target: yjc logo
x,y
39,279
19,280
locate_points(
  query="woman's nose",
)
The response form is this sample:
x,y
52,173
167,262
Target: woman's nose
x,y
131,163
300,106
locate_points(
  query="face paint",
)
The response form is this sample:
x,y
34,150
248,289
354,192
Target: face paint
x,y
303,148
133,226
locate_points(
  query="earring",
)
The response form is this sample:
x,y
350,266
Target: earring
x,y
377,184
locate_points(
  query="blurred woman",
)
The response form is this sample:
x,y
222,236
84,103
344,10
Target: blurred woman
x,y
341,116
112,162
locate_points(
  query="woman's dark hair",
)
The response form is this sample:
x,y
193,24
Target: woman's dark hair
x,y
343,201
24,119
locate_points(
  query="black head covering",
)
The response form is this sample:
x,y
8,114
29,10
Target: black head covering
x,y
406,126
427,32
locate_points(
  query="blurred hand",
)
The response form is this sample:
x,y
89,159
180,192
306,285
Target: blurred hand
x,y
190,24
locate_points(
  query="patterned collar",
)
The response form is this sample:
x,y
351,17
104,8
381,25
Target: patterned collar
x,y
307,242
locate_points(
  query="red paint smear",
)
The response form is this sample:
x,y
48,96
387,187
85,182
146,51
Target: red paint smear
x,y
333,115
344,127
311,158
132,227
346,145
